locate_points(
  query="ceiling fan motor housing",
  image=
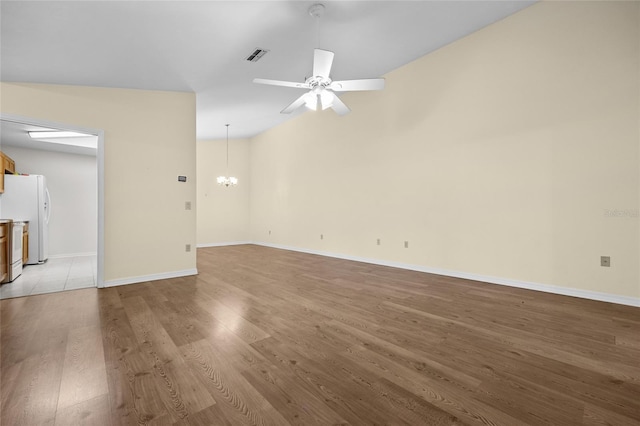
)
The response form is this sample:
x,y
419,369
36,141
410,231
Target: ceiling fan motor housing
x,y
318,81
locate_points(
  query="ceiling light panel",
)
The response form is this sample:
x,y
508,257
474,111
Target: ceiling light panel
x,y
57,134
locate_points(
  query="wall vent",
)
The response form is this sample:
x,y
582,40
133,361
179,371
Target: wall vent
x,y
256,54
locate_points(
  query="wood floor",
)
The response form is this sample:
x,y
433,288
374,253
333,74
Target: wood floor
x,y
269,337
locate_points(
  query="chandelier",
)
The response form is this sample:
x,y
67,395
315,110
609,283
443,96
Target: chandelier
x,y
223,180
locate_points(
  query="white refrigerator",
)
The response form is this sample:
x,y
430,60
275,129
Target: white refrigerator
x,y
26,197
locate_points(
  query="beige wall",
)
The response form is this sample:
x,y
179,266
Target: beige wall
x,y
498,155
223,213
149,141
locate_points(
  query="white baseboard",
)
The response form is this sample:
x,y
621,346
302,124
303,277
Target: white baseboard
x,y
230,243
152,277
62,256
565,291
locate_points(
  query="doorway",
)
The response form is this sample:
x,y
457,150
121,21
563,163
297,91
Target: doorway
x,y
76,264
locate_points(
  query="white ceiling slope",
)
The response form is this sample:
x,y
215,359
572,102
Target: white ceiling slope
x,y
201,46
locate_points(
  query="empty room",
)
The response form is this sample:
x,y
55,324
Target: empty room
x,y
304,213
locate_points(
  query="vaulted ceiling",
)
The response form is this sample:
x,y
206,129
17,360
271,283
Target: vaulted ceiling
x,y
202,46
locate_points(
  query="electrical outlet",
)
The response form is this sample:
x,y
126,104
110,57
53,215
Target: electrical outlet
x,y
321,236
605,261
187,205
406,244
187,248
378,241
269,231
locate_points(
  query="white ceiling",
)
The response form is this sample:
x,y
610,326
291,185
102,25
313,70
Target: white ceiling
x,y
201,46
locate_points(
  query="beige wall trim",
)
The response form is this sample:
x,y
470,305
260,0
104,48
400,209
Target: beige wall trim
x,y
229,243
564,291
152,277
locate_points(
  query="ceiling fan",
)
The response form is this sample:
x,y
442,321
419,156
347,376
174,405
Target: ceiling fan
x,y
320,85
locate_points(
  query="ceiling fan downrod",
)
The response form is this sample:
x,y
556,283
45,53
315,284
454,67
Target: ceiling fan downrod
x,y
317,11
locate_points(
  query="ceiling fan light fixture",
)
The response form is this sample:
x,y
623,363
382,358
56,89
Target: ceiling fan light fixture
x,y
320,85
311,101
326,99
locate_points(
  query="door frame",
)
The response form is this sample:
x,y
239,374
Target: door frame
x,y
100,166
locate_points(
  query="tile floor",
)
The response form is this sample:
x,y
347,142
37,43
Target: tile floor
x,y
56,274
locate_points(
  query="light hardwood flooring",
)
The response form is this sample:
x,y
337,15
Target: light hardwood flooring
x,y
270,337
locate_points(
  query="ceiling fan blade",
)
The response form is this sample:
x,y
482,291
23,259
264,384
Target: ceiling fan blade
x,y
322,61
295,104
339,107
353,85
282,83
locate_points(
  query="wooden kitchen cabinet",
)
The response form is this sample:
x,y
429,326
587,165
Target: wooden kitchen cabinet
x,y
8,166
4,250
25,243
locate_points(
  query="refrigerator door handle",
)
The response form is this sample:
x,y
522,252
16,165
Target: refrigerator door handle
x,y
47,205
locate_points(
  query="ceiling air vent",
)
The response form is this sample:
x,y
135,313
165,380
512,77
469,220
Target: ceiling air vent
x,y
256,54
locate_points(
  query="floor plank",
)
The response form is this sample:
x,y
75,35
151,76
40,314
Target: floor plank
x,y
181,393
84,376
32,397
91,412
240,403
272,337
